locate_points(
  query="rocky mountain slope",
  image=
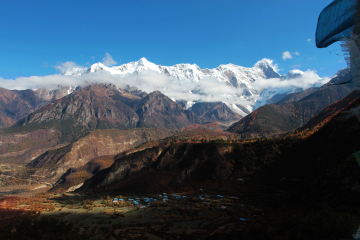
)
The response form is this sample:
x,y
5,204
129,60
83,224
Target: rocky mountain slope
x,y
24,147
102,106
341,77
72,164
88,109
332,110
25,102
293,97
214,111
16,104
273,119
157,110
181,166
74,177
54,163
51,94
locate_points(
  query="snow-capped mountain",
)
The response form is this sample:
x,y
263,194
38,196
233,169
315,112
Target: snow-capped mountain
x,y
242,98
237,76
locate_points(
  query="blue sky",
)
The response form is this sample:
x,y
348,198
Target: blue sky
x,y
36,36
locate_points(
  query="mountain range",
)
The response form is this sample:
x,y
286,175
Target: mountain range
x,y
231,84
103,106
187,84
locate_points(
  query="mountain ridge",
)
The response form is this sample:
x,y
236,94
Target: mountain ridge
x,y
101,106
274,119
237,77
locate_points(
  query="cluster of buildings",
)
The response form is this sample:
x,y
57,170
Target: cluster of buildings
x,y
145,201
164,198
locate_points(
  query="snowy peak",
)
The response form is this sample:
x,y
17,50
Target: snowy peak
x,y
270,70
264,63
236,76
76,71
134,68
185,71
295,73
143,62
97,67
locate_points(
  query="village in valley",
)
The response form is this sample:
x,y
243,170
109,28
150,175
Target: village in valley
x,y
155,216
